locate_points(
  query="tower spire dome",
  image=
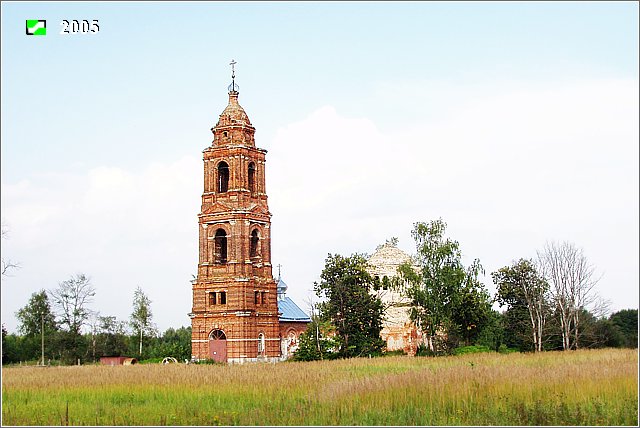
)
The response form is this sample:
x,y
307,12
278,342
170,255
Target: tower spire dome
x,y
233,125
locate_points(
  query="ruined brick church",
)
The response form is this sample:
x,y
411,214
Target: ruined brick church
x,y
240,311
398,331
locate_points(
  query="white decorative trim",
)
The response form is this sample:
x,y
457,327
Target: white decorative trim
x,y
216,222
264,223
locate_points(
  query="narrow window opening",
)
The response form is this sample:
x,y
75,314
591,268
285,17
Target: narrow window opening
x,y
261,344
385,283
252,177
221,246
263,298
223,297
223,177
212,299
256,297
253,247
376,283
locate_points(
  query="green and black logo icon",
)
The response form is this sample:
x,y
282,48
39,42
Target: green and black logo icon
x,y
36,27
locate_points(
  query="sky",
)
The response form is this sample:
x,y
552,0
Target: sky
x,y
516,123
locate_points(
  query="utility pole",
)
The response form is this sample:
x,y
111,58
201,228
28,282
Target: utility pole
x,y
42,334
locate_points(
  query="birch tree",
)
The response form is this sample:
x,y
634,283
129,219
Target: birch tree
x,y
141,317
572,281
433,288
521,283
71,301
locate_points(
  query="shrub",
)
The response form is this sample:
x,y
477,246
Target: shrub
x,y
423,351
471,350
504,349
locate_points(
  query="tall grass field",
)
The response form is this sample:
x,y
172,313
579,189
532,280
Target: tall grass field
x,y
585,387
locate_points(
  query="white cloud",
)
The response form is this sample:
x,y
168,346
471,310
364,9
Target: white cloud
x,y
121,228
506,170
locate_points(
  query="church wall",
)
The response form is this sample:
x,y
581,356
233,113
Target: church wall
x,y
398,332
290,332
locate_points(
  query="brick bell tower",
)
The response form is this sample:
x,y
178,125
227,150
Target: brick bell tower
x,y
235,309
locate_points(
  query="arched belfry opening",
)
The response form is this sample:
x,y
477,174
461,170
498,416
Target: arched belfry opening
x,y
223,177
254,245
220,246
252,177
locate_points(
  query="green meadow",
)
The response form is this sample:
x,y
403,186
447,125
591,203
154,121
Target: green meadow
x,y
585,387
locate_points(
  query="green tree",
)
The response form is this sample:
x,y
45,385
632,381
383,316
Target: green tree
x,y
13,349
35,315
520,285
607,334
173,343
141,320
473,312
111,338
599,332
348,304
434,289
627,321
4,346
318,342
493,333
71,302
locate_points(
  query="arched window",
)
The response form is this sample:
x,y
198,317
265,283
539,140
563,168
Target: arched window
x,y
223,177
252,177
376,283
253,247
217,335
385,283
261,344
220,251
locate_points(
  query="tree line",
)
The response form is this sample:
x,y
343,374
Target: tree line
x,y
547,303
58,327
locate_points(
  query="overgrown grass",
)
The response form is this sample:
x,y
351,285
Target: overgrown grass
x,y
598,387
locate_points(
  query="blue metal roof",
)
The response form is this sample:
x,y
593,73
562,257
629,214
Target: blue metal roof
x,y
291,312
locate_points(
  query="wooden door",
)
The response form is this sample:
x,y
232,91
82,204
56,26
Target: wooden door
x,y
218,346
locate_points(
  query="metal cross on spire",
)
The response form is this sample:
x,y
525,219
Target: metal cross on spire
x,y
233,87
233,68
279,266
